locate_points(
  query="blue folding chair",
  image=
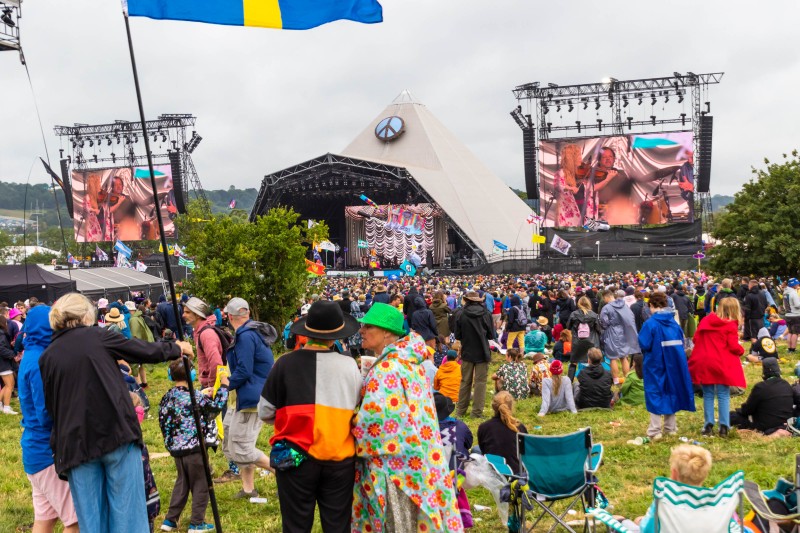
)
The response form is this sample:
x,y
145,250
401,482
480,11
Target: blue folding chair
x,y
560,468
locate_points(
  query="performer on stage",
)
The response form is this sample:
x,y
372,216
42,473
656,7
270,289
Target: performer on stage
x,y
566,187
686,182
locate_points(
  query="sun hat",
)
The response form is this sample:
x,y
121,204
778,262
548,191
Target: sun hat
x,y
538,356
542,320
380,288
114,316
130,305
102,303
197,306
325,320
473,296
556,368
386,317
236,305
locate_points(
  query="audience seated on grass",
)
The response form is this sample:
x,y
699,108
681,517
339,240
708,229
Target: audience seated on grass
x,y
557,392
763,348
512,376
563,346
448,376
593,384
539,372
535,338
632,391
770,404
498,435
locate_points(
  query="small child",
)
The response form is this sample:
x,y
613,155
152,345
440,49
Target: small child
x,y
448,377
563,346
540,370
151,495
180,438
441,351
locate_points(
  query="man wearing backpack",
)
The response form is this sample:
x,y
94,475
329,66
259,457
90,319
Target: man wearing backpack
x,y
517,323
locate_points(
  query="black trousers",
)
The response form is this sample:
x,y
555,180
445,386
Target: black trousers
x,y
191,478
328,484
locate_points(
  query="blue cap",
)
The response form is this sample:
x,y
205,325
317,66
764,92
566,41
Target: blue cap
x,y
793,282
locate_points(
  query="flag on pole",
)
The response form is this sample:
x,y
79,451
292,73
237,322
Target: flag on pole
x,y
280,14
315,268
327,245
122,249
100,254
141,267
560,245
232,205
122,261
367,201
499,247
534,218
177,252
362,243
184,262
538,239
317,256
71,260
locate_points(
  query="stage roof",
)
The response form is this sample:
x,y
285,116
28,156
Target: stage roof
x,y
110,280
478,201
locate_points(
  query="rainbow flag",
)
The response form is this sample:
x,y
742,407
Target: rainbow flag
x,y
280,14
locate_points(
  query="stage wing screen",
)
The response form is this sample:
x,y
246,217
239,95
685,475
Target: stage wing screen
x,y
625,179
387,235
117,204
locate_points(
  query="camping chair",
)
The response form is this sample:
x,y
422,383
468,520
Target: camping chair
x,y
768,518
560,467
681,508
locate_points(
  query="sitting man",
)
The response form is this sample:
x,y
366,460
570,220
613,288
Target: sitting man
x,y
448,377
770,404
763,347
593,384
535,339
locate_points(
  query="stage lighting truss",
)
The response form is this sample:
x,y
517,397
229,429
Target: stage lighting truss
x,y
10,13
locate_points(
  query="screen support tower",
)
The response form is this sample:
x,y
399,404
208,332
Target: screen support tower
x,y
120,143
618,107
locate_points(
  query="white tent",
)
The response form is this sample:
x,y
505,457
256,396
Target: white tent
x,y
478,201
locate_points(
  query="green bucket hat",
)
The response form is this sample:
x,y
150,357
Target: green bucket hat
x,y
386,317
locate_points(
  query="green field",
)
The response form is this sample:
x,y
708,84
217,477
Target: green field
x,y
625,477
13,213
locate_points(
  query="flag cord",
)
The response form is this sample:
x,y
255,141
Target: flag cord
x,y
195,408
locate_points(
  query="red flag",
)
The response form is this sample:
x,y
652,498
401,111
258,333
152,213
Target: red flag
x,y
314,268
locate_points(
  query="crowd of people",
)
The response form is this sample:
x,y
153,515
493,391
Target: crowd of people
x,y
368,403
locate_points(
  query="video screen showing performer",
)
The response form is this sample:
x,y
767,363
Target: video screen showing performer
x,y
117,204
622,180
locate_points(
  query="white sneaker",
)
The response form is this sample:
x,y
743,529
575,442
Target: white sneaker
x,y
7,410
657,436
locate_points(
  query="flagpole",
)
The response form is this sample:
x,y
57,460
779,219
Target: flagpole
x,y
195,409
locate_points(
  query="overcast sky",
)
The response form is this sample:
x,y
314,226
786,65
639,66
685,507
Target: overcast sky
x,y
267,99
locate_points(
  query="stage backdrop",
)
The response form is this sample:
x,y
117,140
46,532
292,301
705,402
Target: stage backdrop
x,y
117,203
395,232
626,179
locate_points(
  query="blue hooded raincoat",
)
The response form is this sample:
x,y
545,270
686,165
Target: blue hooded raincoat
x,y
667,383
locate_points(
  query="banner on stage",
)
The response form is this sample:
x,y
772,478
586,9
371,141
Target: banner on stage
x,y
362,243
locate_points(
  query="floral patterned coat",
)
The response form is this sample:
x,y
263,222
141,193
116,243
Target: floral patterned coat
x,y
398,441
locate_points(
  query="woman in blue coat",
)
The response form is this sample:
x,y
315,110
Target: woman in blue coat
x,y
667,384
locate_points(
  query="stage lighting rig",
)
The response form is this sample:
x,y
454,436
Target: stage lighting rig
x,y
570,108
597,103
653,119
640,97
600,124
654,100
630,122
625,101
7,19
683,119
558,107
666,99
585,104
680,97
578,123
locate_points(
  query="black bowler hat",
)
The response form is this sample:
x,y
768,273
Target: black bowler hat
x,y
325,321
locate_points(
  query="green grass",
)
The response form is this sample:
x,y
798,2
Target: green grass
x,y
626,475
17,213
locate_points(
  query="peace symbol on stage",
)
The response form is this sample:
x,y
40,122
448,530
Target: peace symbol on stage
x,y
389,128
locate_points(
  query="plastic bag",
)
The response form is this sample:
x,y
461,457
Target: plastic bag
x,y
222,370
479,473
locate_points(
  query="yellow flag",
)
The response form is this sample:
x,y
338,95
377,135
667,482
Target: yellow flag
x,y
538,239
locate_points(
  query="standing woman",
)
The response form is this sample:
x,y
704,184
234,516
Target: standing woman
x,y
96,435
423,322
667,384
715,363
620,337
403,482
6,368
586,330
567,192
441,312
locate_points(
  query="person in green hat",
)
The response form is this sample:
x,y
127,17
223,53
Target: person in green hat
x,y
397,436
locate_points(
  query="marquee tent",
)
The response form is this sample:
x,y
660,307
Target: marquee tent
x,y
113,282
20,282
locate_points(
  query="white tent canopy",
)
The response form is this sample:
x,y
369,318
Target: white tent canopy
x,y
477,201
113,281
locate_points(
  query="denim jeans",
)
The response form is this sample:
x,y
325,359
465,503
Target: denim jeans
x,y
723,395
109,492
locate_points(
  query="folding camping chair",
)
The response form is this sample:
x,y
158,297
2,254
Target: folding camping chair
x,y
769,520
681,508
560,467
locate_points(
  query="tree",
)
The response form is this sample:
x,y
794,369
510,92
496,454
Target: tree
x,y
759,233
5,242
262,262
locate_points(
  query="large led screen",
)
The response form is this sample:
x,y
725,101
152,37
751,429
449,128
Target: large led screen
x,y
624,179
117,204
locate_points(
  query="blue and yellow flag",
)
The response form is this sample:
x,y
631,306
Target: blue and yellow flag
x,y
281,14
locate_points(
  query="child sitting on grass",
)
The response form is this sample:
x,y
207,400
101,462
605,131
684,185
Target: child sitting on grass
x,y
512,376
539,372
180,438
563,346
448,377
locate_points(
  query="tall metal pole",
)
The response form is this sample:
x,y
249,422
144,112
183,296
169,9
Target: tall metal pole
x,y
195,409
